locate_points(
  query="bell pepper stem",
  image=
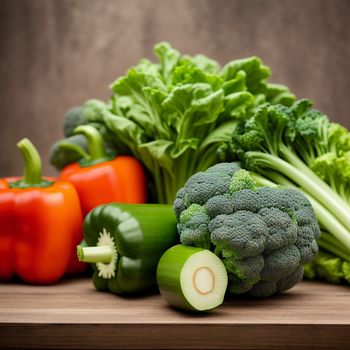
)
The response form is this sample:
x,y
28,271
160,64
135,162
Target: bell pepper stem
x,y
103,254
32,162
94,140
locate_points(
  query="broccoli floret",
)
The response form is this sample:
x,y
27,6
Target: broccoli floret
x,y
263,235
72,119
241,181
193,224
202,186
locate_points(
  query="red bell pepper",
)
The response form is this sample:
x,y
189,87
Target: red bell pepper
x,y
40,224
102,178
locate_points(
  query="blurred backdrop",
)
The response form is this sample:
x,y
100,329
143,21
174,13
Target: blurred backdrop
x,y
55,54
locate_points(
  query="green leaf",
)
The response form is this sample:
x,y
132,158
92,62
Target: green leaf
x,y
158,152
346,270
168,58
192,105
204,63
134,82
188,73
238,104
125,130
237,84
256,73
277,93
329,267
221,134
147,67
183,146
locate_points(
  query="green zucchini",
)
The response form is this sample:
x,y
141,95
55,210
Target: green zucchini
x,y
191,278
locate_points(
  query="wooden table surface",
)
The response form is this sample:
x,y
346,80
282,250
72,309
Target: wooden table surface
x,y
72,315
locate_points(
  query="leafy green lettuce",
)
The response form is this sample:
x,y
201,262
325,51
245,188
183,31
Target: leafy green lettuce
x,y
175,114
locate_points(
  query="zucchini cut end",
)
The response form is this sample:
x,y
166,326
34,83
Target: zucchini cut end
x,y
204,281
192,278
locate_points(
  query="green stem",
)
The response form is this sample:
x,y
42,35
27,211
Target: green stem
x,y
32,162
262,181
206,159
158,180
103,254
94,140
316,181
313,185
333,249
334,244
324,216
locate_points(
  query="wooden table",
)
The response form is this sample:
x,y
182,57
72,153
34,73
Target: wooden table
x,y
72,315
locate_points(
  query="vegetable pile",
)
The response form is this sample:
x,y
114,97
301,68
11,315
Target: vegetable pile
x,y
263,235
174,115
179,118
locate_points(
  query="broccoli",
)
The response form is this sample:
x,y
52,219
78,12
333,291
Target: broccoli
x,y
73,147
263,235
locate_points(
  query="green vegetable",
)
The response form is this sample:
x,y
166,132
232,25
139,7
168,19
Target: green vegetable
x,y
305,151
60,155
329,267
124,243
73,118
74,147
191,278
174,115
263,235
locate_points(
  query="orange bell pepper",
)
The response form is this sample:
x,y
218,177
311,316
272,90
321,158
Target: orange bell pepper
x,y
40,224
101,178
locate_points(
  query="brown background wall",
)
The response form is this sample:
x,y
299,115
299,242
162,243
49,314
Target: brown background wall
x,y
56,53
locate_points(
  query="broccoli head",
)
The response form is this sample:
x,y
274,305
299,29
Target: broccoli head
x,y
263,235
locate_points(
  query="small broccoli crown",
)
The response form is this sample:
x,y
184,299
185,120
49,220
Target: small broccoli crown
x,y
282,231
217,205
193,225
343,167
246,200
283,198
338,138
242,232
202,186
72,119
241,180
325,165
225,168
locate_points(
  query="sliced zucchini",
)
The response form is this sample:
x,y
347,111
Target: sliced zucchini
x,y
191,278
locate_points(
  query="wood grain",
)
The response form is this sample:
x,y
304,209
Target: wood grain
x,y
55,54
72,315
